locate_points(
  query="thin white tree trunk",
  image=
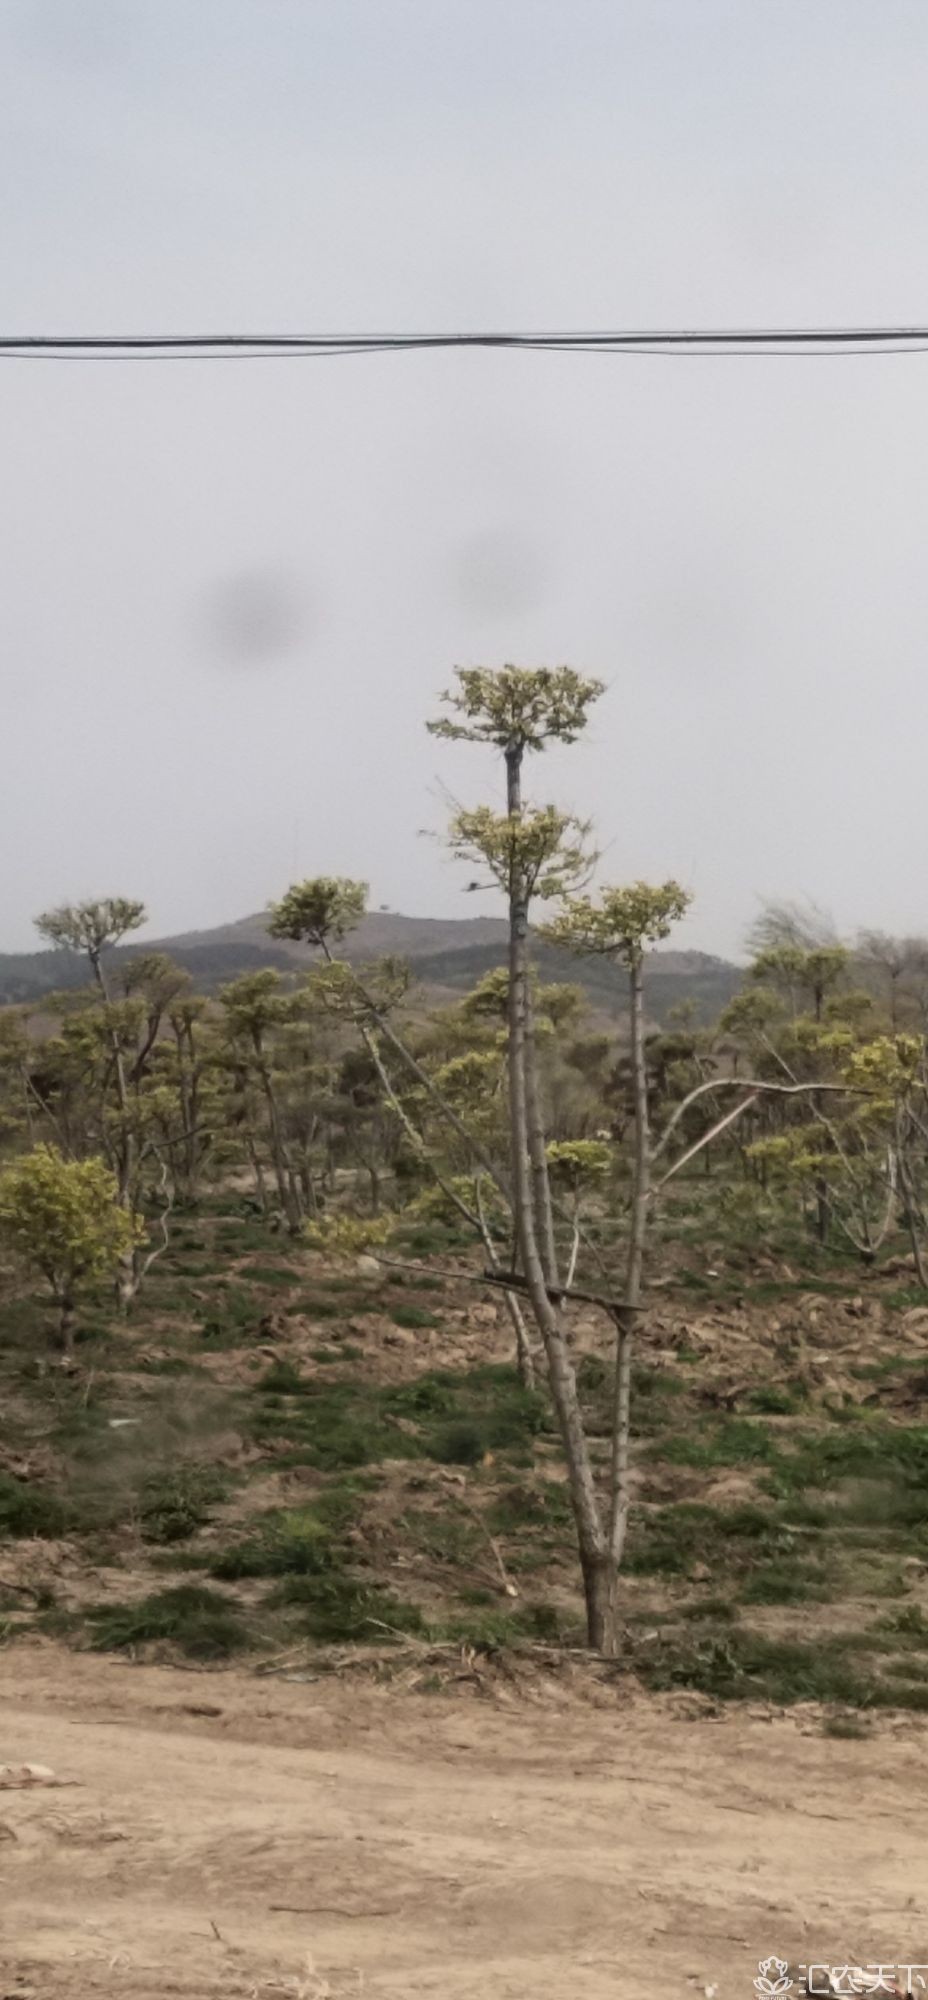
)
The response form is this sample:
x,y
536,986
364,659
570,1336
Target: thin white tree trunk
x,y
628,1312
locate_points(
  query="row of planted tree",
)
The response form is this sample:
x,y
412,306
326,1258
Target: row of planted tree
x,y
343,1101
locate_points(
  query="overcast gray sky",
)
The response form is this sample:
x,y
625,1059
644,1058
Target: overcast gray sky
x,y
231,591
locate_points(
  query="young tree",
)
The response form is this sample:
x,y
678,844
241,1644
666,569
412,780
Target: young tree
x,y
531,852
66,1219
93,929
520,709
618,925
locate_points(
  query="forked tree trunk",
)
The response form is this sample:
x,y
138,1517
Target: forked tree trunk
x,y
596,1562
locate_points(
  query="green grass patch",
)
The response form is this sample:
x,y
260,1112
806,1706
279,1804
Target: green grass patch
x,y
334,1606
412,1316
297,1543
455,1418
176,1502
28,1509
205,1624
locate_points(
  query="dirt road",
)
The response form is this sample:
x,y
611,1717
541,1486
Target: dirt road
x,y
447,1844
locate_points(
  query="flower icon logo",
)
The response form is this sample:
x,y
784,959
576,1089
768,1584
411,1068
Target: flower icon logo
x,y
772,1977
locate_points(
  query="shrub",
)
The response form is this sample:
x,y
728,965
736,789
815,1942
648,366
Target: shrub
x,y
175,1503
204,1623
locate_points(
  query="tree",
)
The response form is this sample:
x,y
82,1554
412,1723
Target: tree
x,y
618,926
529,852
94,928
66,1219
254,1007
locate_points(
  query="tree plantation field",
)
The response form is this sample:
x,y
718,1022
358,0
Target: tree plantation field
x,y
391,1359
279,1453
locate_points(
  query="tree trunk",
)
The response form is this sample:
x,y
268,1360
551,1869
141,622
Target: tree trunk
x,y
628,1313
595,1559
66,1323
258,1171
541,1185
287,1191
822,1211
600,1590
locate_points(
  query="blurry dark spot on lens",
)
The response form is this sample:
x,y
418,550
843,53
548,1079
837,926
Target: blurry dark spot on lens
x,y
255,620
500,572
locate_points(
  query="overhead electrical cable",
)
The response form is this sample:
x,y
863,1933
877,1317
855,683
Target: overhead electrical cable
x,y
769,342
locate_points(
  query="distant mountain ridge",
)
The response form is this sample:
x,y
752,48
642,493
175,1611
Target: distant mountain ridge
x,y
447,954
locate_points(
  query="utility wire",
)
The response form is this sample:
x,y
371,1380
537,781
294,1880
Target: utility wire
x,y
770,342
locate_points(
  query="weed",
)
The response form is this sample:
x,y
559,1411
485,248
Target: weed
x,y
732,1441
26,1509
461,1443
204,1623
294,1544
771,1401
335,1606
176,1502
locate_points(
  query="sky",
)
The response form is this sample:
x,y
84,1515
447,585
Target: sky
x,y
231,592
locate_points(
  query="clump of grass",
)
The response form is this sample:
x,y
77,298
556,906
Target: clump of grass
x,y
26,1509
205,1624
272,1277
339,1425
732,1441
175,1502
669,1540
292,1544
412,1316
715,1609
769,1400
460,1443
739,1664
785,1583
910,1620
521,1507
336,1606
282,1379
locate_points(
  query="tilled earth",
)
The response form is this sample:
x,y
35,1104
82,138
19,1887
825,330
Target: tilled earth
x,y
222,1833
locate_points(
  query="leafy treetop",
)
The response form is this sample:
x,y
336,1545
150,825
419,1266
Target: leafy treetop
x,y
542,853
621,923
323,908
91,927
518,708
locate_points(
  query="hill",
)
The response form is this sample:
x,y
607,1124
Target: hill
x,y
447,955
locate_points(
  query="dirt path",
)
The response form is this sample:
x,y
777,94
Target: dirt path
x,y
441,1845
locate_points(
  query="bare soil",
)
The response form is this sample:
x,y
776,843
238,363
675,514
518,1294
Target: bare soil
x,y
222,1833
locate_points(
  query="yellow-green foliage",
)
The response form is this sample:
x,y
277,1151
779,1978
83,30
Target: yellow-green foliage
x,y
578,1163
476,1191
347,1235
541,849
312,912
517,708
621,921
64,1218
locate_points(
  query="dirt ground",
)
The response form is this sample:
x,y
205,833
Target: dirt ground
x,y
225,1834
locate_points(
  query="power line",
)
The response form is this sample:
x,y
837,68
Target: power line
x,y
769,342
